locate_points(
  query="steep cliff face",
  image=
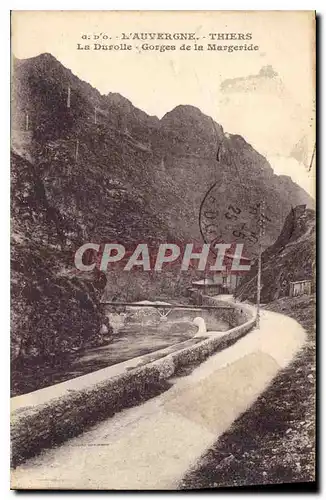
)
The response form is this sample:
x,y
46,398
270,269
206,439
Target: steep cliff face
x,y
290,258
88,167
53,310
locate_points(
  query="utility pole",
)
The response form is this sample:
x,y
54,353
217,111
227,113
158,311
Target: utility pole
x,y
68,97
77,149
95,115
312,158
261,223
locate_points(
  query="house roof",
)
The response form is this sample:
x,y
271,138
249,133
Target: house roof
x,y
206,281
297,282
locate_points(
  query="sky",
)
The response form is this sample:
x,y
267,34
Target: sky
x,y
272,109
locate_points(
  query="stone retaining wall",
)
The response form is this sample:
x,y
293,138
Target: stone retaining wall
x,y
237,315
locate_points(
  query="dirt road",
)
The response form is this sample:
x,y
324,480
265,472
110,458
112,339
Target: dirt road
x,y
153,445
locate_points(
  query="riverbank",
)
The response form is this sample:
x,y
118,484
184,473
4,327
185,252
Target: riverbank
x,y
131,341
136,332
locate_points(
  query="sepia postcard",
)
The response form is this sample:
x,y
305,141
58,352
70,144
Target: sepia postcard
x,y
163,268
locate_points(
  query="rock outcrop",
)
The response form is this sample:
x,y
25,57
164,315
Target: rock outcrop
x,y
290,258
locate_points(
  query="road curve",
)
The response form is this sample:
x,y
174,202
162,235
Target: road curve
x,y
153,445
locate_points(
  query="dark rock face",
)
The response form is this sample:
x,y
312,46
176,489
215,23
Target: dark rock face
x,y
54,310
291,258
88,167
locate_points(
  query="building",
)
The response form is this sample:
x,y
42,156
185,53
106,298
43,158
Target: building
x,y
300,288
222,283
207,286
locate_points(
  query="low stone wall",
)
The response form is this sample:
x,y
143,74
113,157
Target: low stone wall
x,y
236,315
62,418
41,426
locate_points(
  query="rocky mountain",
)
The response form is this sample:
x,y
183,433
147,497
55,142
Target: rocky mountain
x,y
161,169
290,258
92,167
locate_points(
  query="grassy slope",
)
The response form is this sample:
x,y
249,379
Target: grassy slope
x,y
273,442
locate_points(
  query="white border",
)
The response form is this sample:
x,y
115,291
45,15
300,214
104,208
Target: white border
x,y
6,6
163,5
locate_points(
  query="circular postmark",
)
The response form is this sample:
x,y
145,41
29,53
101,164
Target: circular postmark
x,y
227,220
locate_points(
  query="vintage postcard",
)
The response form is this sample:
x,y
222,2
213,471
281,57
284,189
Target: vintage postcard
x,y
163,270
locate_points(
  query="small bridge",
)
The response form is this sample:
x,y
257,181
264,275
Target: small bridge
x,y
165,309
